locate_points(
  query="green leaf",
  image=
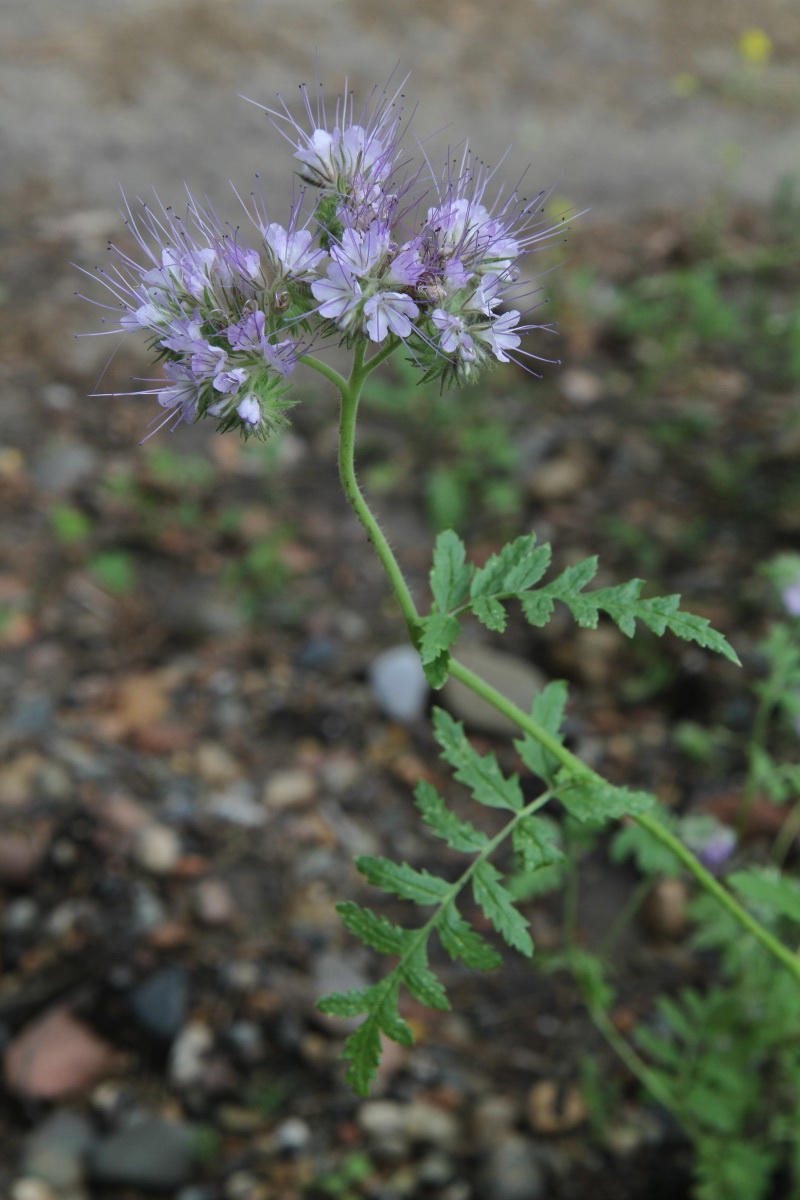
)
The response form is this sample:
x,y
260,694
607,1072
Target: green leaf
x,y
439,631
346,1004
594,801
479,772
548,711
374,931
437,672
537,608
459,835
450,573
497,906
490,612
516,568
533,841
421,981
402,880
461,941
775,892
363,1047
650,856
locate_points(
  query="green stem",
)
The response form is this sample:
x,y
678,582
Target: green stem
x,y
351,391
636,1065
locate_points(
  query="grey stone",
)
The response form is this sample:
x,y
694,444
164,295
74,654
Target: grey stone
x,y
62,464
516,680
159,1004
154,1155
512,1171
398,683
56,1150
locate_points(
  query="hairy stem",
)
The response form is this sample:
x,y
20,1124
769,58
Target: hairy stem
x,y
350,392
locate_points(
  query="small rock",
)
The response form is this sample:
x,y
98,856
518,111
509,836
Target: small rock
x,y
340,773
157,849
435,1170
292,1136
148,911
20,916
61,464
32,1189
238,806
493,1117
55,1055
665,913
580,387
554,1109
151,1154
214,903
433,1126
290,788
512,1171
384,1123
189,1055
216,765
244,1186
518,681
235,1119
159,1004
56,1150
398,684
332,973
246,1041
559,478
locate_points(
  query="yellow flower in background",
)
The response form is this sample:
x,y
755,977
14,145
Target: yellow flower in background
x,y
683,85
755,46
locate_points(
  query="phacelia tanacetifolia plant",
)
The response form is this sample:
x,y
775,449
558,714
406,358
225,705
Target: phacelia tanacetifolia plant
x,y
386,250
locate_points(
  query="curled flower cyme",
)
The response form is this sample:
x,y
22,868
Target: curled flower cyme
x,y
376,248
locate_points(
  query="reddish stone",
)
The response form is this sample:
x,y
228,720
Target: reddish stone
x,y
54,1056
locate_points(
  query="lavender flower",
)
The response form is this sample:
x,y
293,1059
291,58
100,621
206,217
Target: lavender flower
x,y
375,248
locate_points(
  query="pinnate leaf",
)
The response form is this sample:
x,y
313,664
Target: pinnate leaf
x,y
593,800
374,931
460,940
497,906
420,979
450,574
480,773
402,880
459,835
548,711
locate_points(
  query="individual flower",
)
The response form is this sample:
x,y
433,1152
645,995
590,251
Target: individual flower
x,y
339,294
389,312
292,253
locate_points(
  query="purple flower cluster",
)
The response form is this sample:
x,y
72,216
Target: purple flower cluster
x,y
375,248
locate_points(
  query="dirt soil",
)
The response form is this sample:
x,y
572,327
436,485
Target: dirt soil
x,y
192,754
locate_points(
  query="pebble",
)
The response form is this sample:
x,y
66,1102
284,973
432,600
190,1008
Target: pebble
x,y
55,1055
292,1136
517,680
157,849
189,1055
28,1188
580,387
512,1171
159,1004
290,788
214,902
665,913
56,1150
398,684
238,806
20,916
554,1109
430,1125
151,1154
216,765
61,464
384,1123
559,478
492,1118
